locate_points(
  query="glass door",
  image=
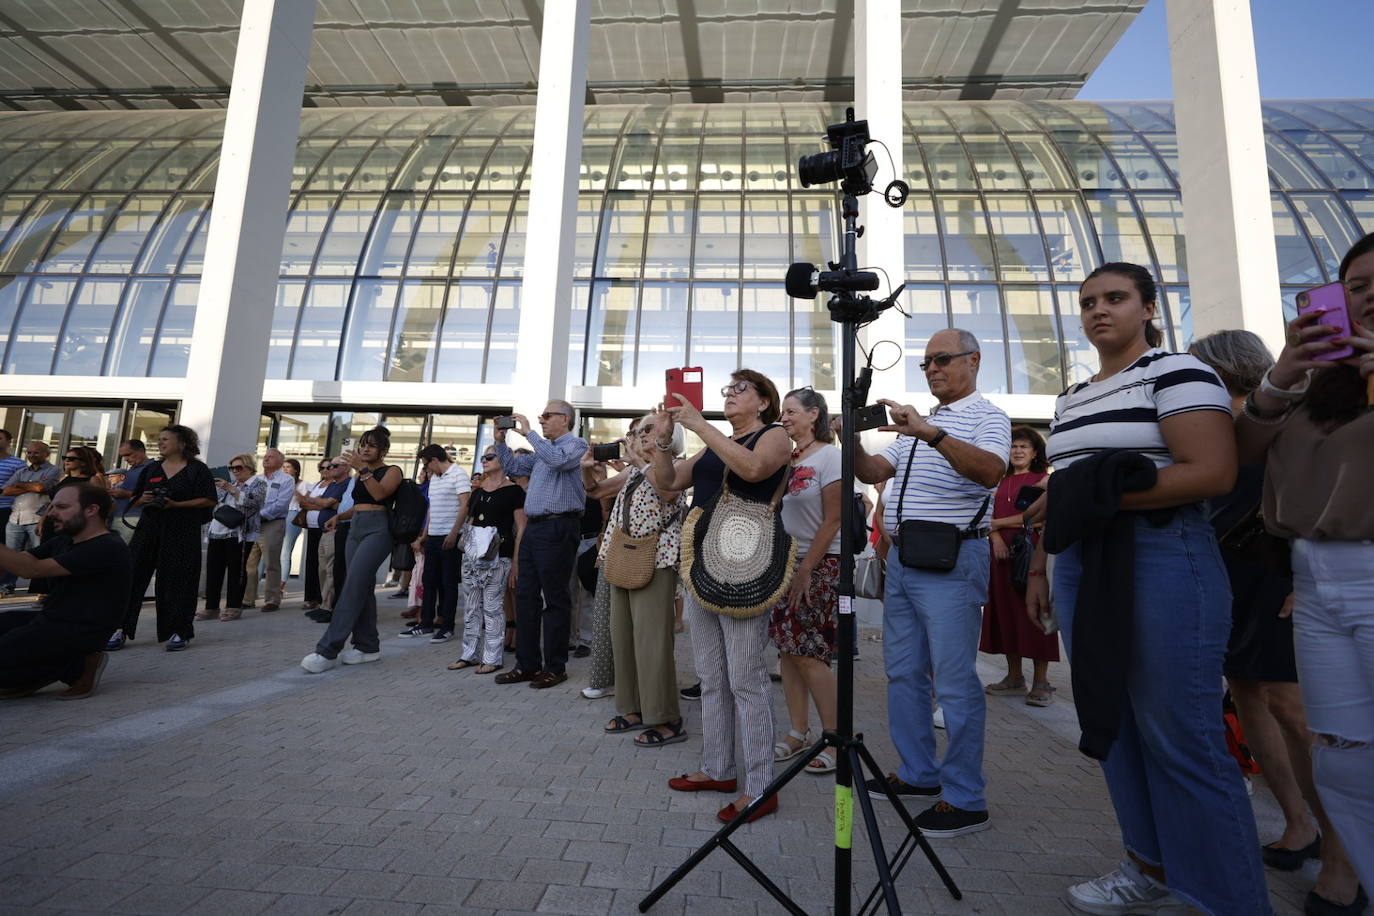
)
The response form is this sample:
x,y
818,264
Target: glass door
x,y
97,428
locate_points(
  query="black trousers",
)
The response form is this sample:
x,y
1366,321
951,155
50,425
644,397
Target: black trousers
x,y
224,566
542,602
312,565
166,542
340,557
440,583
38,651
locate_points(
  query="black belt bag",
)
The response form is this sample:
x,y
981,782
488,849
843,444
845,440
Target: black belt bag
x,y
928,545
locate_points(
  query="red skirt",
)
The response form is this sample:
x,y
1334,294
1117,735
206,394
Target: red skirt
x,y
1006,628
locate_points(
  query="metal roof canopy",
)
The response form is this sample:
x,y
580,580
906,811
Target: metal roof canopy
x,y
80,54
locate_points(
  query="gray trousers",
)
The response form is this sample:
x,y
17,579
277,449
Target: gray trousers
x,y
730,661
355,608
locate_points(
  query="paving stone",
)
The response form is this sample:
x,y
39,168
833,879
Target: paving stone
x,y
580,901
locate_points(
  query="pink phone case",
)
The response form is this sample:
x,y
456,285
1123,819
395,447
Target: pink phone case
x,y
1330,299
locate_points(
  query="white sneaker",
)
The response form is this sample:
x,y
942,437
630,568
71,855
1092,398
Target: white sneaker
x,y
596,693
1125,890
315,663
939,716
355,657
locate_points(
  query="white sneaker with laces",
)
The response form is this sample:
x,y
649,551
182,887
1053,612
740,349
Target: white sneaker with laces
x,y
352,656
1124,891
315,663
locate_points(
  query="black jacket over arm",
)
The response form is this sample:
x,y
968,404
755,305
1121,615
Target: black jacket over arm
x,y
1085,506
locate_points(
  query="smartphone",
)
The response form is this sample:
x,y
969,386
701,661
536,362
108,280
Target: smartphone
x,y
870,417
504,422
608,452
1330,300
686,382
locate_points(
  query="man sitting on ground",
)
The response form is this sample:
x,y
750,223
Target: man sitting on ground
x,y
89,569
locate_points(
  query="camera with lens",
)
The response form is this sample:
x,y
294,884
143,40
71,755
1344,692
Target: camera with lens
x,y
846,162
158,497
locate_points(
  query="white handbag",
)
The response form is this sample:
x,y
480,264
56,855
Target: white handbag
x,y
481,542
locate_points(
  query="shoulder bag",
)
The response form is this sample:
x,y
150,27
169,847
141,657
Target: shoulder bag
x,y
1019,558
869,574
737,559
630,561
480,542
932,546
229,516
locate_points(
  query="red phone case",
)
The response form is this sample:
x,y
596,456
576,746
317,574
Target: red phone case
x,y
1328,298
686,382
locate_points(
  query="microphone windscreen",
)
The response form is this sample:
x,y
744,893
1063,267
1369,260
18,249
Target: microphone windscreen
x,y
798,281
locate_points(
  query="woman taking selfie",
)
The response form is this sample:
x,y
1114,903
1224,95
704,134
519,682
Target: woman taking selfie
x,y
1145,607
1311,422
369,546
729,651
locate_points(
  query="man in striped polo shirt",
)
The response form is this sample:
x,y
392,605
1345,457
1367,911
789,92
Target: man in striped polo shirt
x,y
944,468
449,487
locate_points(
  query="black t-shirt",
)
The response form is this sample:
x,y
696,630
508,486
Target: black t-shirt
x,y
95,594
488,508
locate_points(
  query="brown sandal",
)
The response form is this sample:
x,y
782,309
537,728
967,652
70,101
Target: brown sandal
x,y
461,664
488,669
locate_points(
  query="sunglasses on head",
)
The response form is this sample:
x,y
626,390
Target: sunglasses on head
x,y
942,359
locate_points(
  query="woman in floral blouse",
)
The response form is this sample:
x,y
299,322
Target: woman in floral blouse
x,y
642,619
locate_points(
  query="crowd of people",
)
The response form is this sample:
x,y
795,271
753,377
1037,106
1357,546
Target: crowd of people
x,y
1206,512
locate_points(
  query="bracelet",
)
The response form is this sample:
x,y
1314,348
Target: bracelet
x,y
1035,572
1260,415
658,444
938,438
1285,394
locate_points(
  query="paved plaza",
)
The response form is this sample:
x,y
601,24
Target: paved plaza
x,y
225,780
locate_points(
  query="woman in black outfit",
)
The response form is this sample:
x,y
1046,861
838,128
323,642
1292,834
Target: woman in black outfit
x,y
177,494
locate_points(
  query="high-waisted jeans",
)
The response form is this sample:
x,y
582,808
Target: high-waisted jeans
x,y
355,611
1178,794
1333,629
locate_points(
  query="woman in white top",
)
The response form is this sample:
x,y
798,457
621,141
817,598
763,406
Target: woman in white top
x,y
1186,823
802,624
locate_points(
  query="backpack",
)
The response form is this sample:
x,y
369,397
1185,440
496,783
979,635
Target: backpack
x,y
407,514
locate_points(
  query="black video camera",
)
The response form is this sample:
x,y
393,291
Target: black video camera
x,y
846,162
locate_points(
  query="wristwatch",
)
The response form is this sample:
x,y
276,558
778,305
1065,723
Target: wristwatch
x,y
938,438
1285,394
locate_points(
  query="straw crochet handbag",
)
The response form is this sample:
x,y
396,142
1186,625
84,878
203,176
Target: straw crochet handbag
x,y
630,561
737,559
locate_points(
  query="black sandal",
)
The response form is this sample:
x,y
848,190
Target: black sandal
x,y
653,738
621,724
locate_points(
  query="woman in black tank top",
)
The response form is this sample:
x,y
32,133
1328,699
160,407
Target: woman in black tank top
x,y
729,652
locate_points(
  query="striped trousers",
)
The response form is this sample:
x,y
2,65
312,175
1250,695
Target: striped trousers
x,y
730,661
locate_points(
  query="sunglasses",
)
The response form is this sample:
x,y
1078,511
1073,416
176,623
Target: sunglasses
x,y
547,416
70,458
238,467
734,388
943,359
488,457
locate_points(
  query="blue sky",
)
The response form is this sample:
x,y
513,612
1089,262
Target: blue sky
x,y
1305,49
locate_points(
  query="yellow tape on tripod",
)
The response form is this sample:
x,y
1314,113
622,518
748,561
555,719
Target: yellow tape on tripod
x,y
844,817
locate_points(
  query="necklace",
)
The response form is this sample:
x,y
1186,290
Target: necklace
x,y
801,450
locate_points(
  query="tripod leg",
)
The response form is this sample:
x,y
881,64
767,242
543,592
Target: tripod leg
x,y
912,829
875,835
722,835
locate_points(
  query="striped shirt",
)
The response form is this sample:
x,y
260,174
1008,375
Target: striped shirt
x,y
936,492
9,466
1124,411
444,499
554,470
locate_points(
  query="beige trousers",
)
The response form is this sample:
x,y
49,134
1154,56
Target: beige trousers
x,y
266,548
326,555
642,643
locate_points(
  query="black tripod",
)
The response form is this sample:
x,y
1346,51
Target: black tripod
x,y
852,757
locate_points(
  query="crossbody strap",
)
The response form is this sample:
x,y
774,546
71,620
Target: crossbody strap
x,y
901,496
981,512
629,494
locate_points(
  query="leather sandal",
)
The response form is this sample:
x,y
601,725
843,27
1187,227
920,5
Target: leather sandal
x,y
1040,695
620,725
783,752
1005,687
651,737
822,763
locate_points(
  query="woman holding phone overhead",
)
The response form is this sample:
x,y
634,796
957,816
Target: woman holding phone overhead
x,y
369,545
1146,607
1312,422
729,652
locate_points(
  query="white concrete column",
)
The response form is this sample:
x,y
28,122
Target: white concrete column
x,y
878,99
1232,261
238,289
541,363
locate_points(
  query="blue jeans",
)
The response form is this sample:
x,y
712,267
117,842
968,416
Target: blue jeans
x,y
1178,794
18,537
931,625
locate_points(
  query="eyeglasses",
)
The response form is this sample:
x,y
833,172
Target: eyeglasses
x,y
943,359
338,464
547,416
735,388
488,457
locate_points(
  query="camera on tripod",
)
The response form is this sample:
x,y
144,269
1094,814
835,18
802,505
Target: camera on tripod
x,y
847,161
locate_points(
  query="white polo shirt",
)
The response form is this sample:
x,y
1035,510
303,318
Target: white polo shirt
x,y
444,493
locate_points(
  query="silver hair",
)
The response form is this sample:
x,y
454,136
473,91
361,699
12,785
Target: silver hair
x,y
1239,357
966,340
566,409
679,437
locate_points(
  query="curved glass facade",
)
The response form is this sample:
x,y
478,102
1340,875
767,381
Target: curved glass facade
x,y
406,235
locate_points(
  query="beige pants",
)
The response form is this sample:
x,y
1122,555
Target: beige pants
x,y
266,548
642,643
326,555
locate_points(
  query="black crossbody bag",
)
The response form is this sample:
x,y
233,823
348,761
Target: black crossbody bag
x,y
932,546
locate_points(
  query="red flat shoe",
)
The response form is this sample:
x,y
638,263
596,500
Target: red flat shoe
x,y
729,812
683,784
